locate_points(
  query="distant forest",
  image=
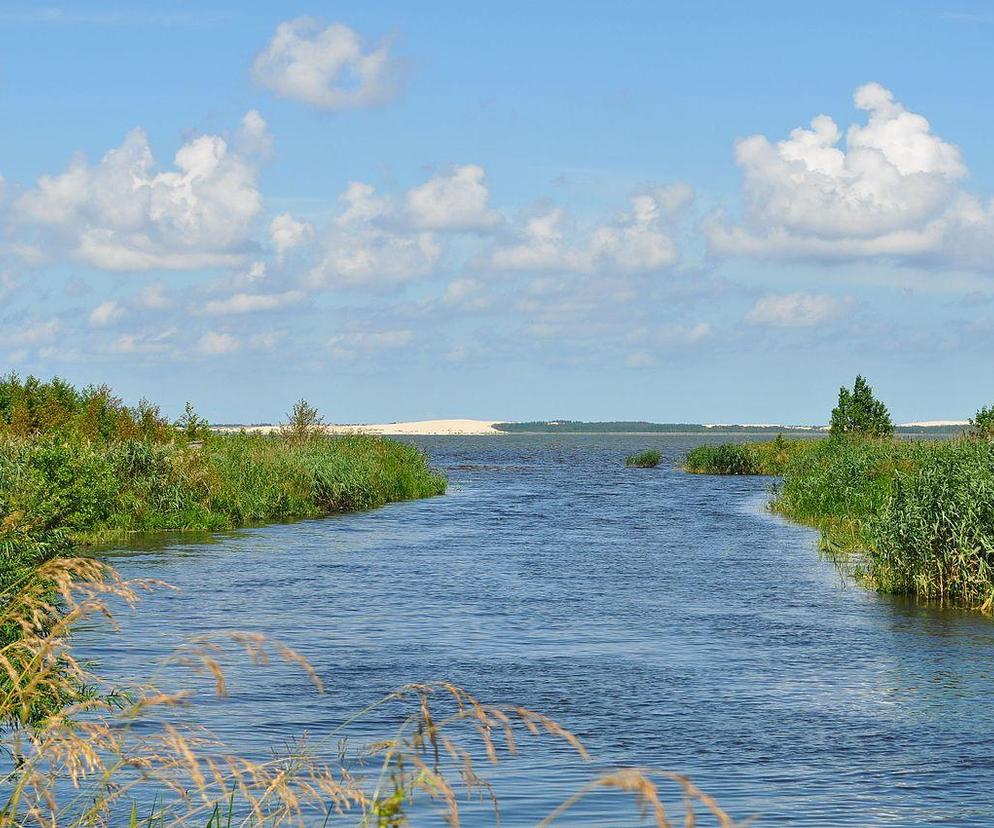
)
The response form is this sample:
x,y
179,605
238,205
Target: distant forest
x,y
642,427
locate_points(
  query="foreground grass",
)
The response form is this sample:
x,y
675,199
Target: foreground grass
x,y
104,758
922,512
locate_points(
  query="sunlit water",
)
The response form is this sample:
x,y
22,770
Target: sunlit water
x,y
663,617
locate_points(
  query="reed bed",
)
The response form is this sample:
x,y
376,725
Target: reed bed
x,y
644,459
921,512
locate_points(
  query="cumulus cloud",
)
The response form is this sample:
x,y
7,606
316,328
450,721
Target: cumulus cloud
x,y
105,313
362,248
636,241
124,215
241,303
287,233
213,343
891,191
326,66
797,310
540,245
457,201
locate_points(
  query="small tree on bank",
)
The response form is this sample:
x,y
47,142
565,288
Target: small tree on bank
x,y
303,421
983,422
192,425
860,413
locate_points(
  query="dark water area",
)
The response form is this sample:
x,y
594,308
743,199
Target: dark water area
x,y
665,618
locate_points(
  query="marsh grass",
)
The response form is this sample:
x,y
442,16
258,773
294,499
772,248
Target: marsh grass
x,y
90,761
920,511
769,457
644,459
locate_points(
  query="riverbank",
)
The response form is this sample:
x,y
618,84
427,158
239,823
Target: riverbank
x,y
920,511
79,467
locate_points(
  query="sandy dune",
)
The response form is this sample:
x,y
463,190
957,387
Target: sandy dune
x,y
419,427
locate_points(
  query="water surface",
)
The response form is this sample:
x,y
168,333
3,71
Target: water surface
x,y
663,617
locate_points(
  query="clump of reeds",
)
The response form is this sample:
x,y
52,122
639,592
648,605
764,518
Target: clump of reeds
x,y
89,759
648,459
769,457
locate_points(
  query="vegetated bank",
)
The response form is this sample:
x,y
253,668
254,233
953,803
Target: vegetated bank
x,y
921,511
78,466
80,752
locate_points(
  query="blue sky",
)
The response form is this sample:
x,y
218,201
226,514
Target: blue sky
x,y
666,211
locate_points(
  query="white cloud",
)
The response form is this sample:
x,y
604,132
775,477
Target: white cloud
x,y
355,344
252,302
32,333
143,343
797,310
635,242
673,199
105,313
891,192
328,66
457,201
287,233
123,215
467,292
361,249
541,245
217,344
152,297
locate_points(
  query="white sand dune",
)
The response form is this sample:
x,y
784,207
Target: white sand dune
x,y
425,427
932,423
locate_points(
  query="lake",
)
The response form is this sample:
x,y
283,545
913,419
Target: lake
x,y
665,618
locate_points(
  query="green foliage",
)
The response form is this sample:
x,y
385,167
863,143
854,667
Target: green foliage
x,y
921,512
31,407
983,423
304,421
191,424
934,536
860,413
644,459
79,466
765,458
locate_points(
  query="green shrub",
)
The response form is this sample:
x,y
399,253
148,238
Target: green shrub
x,y
983,423
644,459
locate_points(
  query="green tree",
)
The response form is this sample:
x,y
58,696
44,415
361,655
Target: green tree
x,y
983,422
192,424
303,421
860,413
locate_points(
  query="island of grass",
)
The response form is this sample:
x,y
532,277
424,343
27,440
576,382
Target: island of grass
x,y
920,512
644,459
79,466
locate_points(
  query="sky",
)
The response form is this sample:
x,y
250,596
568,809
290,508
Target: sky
x,y
666,211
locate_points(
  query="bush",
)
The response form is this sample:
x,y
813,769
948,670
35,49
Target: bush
x,y
983,423
644,460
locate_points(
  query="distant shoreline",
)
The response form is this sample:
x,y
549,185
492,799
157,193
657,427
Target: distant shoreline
x,y
470,427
